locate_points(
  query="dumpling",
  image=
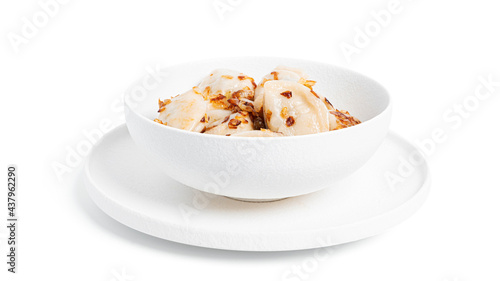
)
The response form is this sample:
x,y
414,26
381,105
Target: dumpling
x,y
277,74
183,112
234,123
288,74
292,109
228,82
297,71
220,87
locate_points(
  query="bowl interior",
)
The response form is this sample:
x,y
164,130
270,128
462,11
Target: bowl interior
x,y
361,96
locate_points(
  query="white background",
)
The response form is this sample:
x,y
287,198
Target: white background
x,y
66,79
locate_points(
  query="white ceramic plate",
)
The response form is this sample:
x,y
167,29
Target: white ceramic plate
x,y
126,186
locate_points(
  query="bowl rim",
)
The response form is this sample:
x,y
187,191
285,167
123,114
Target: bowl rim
x,y
363,124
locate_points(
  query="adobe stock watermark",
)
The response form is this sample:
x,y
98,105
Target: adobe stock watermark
x,y
121,275
364,35
220,180
3,241
309,265
453,118
222,7
135,94
31,26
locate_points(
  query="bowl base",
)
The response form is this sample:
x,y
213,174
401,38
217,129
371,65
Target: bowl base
x,y
256,200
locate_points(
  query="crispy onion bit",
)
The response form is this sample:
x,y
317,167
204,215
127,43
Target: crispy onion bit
x,y
205,119
327,101
159,121
284,112
344,118
234,123
308,83
162,104
287,94
258,123
269,113
243,77
275,75
314,93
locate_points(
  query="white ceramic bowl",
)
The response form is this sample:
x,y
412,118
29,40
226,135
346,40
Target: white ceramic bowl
x,y
261,168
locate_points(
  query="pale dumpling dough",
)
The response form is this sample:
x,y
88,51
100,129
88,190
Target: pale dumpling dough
x,y
292,109
227,82
279,73
183,112
297,71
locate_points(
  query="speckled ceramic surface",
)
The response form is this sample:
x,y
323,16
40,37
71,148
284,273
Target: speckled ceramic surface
x,y
265,168
131,189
